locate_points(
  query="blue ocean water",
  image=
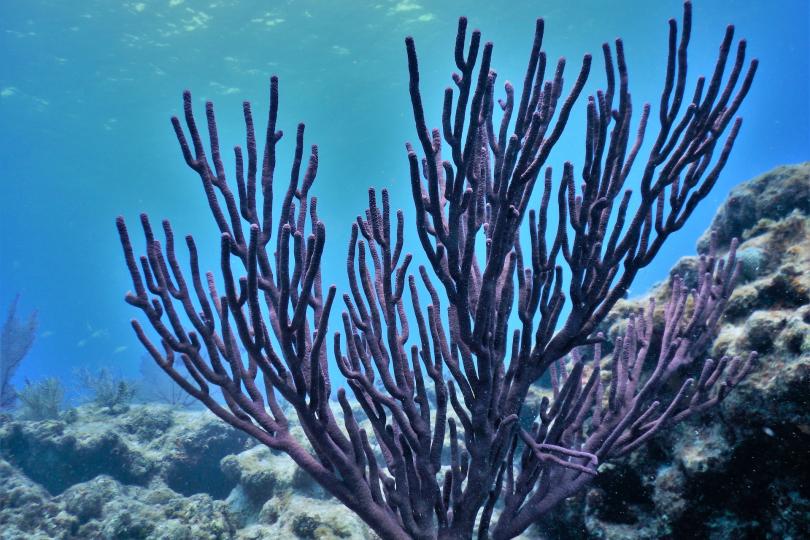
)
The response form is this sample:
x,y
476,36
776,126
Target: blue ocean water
x,y
87,89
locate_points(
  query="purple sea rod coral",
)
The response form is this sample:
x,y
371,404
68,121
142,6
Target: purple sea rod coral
x,y
501,475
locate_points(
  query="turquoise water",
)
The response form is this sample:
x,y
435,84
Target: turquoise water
x,y
87,89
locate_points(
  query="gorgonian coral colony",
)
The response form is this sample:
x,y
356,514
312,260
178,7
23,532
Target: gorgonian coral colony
x,y
275,307
16,338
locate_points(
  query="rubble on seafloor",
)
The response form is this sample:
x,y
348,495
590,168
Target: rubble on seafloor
x,y
154,472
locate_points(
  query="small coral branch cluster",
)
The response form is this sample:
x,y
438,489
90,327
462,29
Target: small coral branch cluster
x,y
462,382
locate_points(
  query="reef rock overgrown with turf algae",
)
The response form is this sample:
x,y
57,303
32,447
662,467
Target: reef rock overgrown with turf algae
x,y
161,473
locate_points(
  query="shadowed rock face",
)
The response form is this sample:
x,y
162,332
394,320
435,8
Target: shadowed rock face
x,y
155,472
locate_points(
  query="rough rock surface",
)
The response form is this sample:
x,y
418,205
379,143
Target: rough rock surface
x,y
152,472
155,473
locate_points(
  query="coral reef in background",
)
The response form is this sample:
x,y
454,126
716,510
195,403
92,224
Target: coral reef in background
x,y
156,472
461,465
16,339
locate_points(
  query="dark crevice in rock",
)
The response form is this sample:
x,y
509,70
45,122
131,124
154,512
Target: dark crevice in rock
x,y
765,472
201,477
624,494
195,466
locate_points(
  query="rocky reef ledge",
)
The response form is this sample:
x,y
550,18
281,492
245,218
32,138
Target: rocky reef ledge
x,y
157,473
154,472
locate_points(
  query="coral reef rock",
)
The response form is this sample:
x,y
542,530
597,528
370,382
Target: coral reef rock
x,y
152,472
741,473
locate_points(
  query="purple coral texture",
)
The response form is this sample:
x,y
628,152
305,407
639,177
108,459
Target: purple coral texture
x,y
432,446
